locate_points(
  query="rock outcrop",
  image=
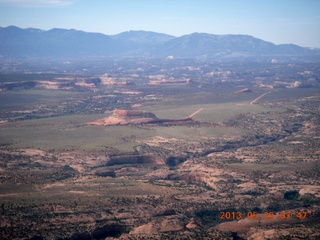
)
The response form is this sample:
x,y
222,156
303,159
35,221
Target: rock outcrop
x,y
124,117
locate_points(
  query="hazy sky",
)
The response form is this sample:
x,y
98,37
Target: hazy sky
x,y
277,21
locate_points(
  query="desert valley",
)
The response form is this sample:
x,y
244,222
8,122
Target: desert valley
x,y
222,146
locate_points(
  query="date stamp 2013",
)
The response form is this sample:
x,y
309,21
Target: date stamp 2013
x,y
284,215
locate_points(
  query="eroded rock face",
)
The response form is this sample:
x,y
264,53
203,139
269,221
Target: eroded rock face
x,y
122,113
158,225
135,159
109,230
245,90
124,117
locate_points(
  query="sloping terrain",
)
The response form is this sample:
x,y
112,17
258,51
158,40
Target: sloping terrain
x,y
125,117
247,167
69,43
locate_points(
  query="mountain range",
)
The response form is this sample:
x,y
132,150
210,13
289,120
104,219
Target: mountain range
x,y
69,43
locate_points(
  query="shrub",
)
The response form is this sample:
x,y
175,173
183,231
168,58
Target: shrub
x,y
291,195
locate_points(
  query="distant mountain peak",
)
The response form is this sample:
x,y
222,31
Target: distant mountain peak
x,y
34,30
58,42
141,37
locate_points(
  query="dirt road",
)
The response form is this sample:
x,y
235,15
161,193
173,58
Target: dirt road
x,y
262,95
193,114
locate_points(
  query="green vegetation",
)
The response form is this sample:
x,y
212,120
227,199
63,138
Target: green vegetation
x,y
291,195
68,133
61,178
30,99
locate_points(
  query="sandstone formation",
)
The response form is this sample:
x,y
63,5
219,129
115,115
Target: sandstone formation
x,y
244,90
124,117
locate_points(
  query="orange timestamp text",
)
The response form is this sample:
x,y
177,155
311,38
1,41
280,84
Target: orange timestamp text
x,y
266,215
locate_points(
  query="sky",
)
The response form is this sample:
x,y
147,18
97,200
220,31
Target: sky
x,y
277,21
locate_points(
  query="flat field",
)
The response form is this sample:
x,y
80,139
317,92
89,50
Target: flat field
x,y
60,177
71,132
